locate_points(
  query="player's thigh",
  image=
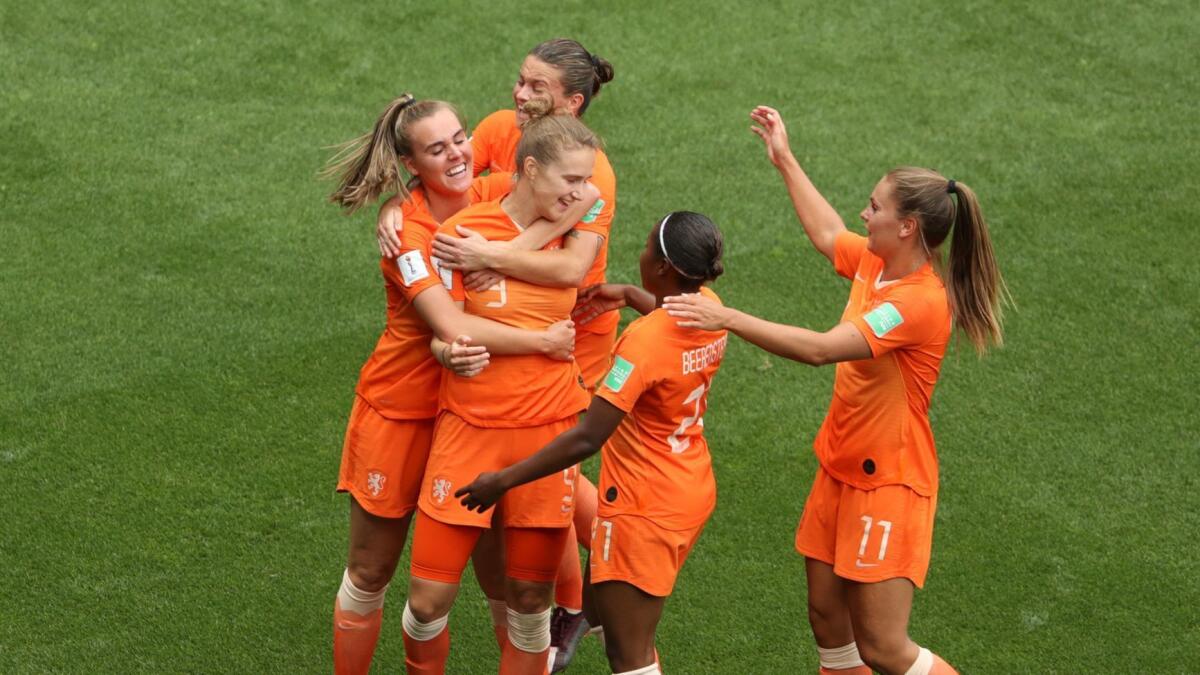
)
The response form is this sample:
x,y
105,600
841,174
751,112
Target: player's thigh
x,y
879,612
375,546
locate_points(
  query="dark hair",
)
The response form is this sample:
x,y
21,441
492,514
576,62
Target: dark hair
x,y
693,245
580,71
973,282
370,164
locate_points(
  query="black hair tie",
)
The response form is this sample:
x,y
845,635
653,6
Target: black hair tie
x,y
951,187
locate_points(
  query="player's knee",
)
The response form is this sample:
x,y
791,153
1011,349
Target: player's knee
x,y
824,615
427,606
528,597
882,653
371,575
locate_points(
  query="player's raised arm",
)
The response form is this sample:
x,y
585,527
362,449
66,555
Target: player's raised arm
x,y
821,222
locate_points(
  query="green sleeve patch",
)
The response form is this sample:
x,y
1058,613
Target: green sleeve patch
x,y
620,372
590,216
883,319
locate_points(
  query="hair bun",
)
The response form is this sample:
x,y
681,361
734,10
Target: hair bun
x,y
537,108
604,70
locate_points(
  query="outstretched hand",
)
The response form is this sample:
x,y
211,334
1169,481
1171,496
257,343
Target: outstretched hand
x,y
468,252
696,311
596,300
768,125
482,492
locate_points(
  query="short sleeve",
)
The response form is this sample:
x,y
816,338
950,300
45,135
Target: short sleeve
x,y
848,250
599,218
629,376
912,315
481,143
412,271
490,187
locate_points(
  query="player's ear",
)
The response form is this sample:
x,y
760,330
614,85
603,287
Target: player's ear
x,y
908,226
529,168
574,103
409,166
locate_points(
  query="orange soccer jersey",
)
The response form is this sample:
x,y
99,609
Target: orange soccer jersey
x,y
400,379
656,465
877,430
495,144
518,390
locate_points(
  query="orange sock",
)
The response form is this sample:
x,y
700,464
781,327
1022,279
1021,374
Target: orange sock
x,y
515,661
426,645
568,586
354,638
928,663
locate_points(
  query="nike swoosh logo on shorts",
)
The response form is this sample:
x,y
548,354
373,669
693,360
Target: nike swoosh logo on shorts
x,y
860,563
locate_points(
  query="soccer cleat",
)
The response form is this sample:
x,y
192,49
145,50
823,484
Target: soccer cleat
x,y
566,630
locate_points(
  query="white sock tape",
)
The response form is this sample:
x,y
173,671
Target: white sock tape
x,y
351,598
529,632
923,664
840,658
423,632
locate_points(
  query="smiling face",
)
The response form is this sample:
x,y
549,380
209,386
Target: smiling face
x,y
557,185
887,232
441,153
538,79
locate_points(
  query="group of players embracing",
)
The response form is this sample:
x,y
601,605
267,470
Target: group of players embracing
x,y
500,370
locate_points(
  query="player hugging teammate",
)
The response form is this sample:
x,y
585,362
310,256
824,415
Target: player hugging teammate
x,y
468,411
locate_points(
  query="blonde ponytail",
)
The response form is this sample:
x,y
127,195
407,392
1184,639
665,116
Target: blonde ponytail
x,y
369,165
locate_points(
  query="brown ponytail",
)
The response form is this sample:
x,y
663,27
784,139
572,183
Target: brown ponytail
x,y
545,136
975,288
370,164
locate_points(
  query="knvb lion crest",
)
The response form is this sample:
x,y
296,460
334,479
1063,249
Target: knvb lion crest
x,y
375,481
441,490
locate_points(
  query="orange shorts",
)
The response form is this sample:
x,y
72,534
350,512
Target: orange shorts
x,y
593,353
462,451
634,550
383,460
867,535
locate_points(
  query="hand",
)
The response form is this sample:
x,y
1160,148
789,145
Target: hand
x,y
559,341
482,493
468,253
596,300
697,311
481,280
769,127
389,226
464,359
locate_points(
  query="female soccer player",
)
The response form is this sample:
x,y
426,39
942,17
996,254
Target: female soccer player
x,y
656,478
867,526
496,418
563,72
391,424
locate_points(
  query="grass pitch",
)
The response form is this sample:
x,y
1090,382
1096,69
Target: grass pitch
x,y
183,317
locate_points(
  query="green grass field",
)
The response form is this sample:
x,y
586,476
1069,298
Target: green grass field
x,y
183,316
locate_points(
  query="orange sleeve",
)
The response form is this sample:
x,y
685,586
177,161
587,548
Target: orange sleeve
x,y
631,373
413,271
599,220
482,141
911,315
490,187
848,250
